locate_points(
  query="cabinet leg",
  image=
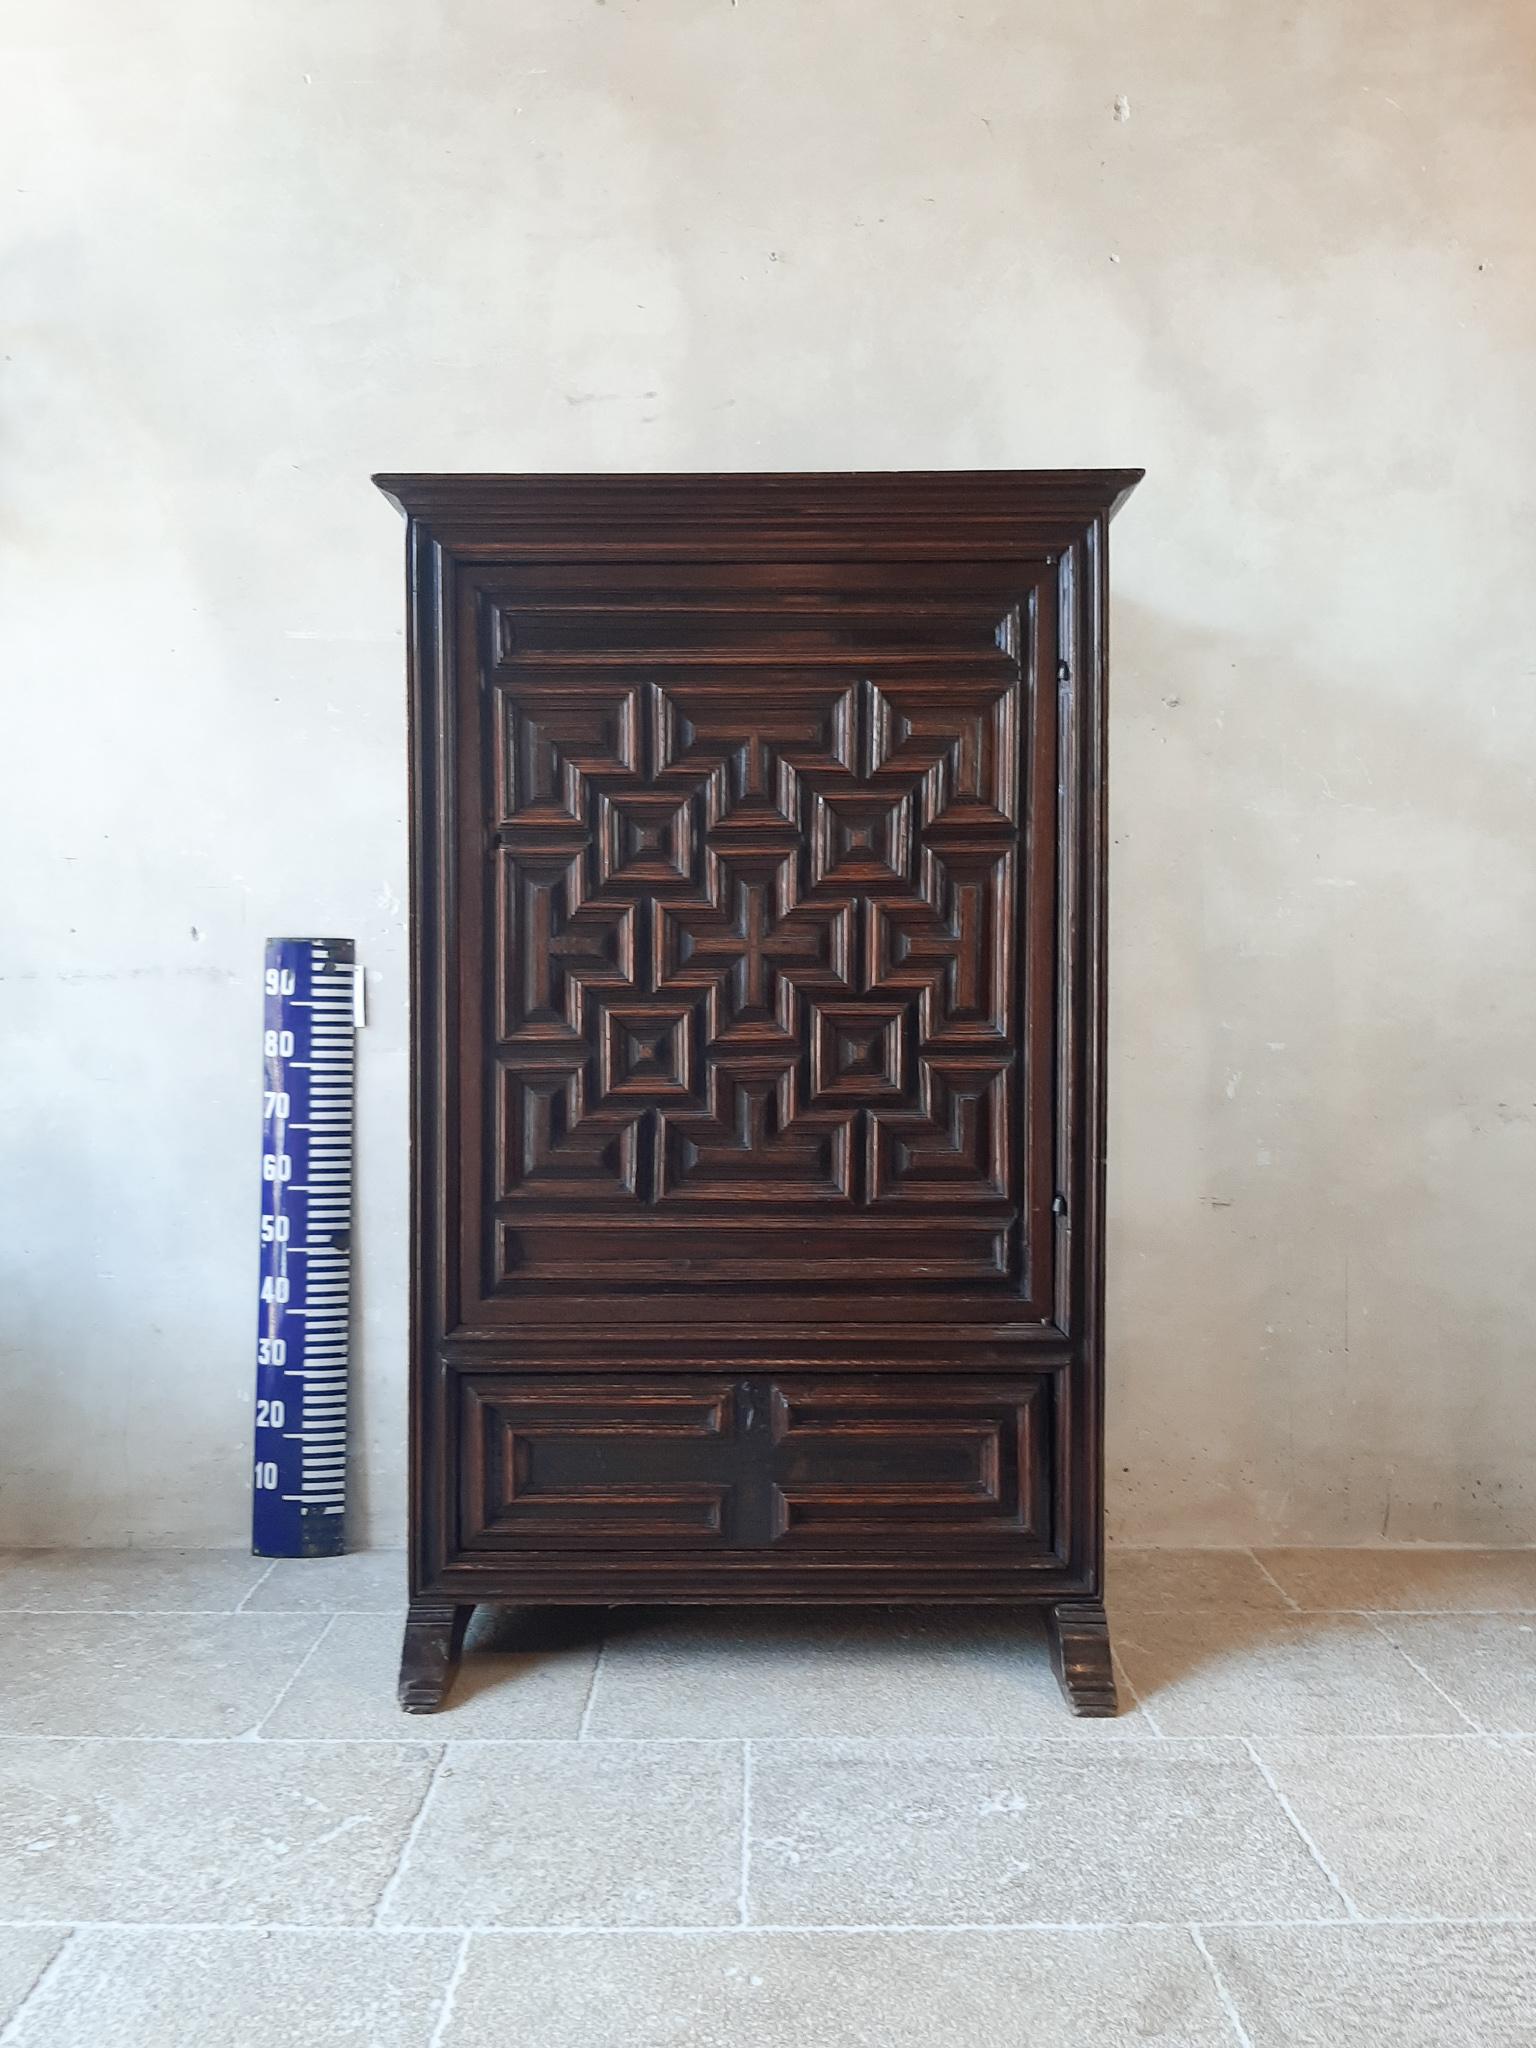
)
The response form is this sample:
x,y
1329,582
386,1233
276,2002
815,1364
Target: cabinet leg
x,y
434,1636
1079,1637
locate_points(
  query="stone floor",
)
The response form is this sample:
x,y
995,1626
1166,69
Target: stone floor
x,y
1314,1823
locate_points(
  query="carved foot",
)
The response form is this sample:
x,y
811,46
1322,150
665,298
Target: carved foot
x,y
434,1636
1079,1639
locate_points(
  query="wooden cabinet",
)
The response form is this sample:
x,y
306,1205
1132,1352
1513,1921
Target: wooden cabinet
x,y
757,911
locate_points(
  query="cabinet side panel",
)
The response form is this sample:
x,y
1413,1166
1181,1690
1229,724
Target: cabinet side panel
x,y
434,1107
1081,1116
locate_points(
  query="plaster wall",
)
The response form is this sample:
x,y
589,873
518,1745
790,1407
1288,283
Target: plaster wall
x,y
252,250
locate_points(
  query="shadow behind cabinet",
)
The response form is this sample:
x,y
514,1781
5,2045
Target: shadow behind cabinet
x,y
757,1161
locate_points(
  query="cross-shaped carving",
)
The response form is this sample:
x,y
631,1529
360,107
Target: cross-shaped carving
x,y
752,959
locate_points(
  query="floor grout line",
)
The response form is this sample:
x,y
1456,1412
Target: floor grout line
x,y
409,1843
1127,1605
450,1994
1136,1701
8,2031
588,1702
1295,1820
1229,2003
1431,1613
1264,1568
155,1613
253,1734
462,1930
1414,1665
239,1606
744,1897
391,1614
1002,1738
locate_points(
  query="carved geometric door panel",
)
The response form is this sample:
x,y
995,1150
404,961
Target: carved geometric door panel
x,y
766,923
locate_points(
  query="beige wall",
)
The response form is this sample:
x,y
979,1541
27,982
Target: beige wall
x,y
255,249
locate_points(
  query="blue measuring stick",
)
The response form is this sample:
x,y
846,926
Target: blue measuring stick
x,y
309,1021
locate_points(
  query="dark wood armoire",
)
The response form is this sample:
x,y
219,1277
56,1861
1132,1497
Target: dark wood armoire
x,y
758,1045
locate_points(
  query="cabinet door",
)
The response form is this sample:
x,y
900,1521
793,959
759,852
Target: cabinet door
x,y
786,1464
757,909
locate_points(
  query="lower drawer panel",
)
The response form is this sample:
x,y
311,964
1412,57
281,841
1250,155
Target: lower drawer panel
x,y
955,1462
562,1464
867,1464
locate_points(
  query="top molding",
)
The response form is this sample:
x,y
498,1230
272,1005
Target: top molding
x,y
960,514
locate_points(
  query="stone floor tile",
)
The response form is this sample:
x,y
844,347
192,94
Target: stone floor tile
x,y
152,1989
1486,1662
151,1674
1184,1579
1429,1581
362,1582
870,1834
1122,1989
25,1952
1246,1673
590,1834
347,1688
899,1672
1438,1828
217,1831
147,1581
1410,1987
